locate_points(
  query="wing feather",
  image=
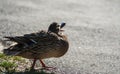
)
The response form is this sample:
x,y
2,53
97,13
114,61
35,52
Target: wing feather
x,y
35,42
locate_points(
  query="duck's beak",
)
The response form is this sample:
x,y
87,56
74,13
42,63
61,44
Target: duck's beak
x,y
61,26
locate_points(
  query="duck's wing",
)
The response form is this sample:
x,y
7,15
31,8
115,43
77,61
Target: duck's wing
x,y
40,40
27,38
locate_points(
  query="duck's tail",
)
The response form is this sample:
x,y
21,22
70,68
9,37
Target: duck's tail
x,y
12,50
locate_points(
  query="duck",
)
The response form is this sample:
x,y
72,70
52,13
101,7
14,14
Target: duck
x,y
39,45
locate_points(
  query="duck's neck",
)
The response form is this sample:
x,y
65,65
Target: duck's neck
x,y
59,34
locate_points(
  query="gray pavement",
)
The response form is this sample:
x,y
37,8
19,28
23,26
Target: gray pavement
x,y
93,29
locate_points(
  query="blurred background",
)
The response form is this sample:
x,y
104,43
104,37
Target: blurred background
x,y
92,27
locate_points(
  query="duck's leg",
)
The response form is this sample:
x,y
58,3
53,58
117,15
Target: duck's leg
x,y
45,67
43,64
33,64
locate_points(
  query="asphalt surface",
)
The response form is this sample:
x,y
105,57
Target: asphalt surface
x,y
93,30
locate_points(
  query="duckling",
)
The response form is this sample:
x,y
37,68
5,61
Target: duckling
x,y
40,45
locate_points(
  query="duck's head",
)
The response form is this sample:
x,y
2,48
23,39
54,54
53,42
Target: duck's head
x,y
55,27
